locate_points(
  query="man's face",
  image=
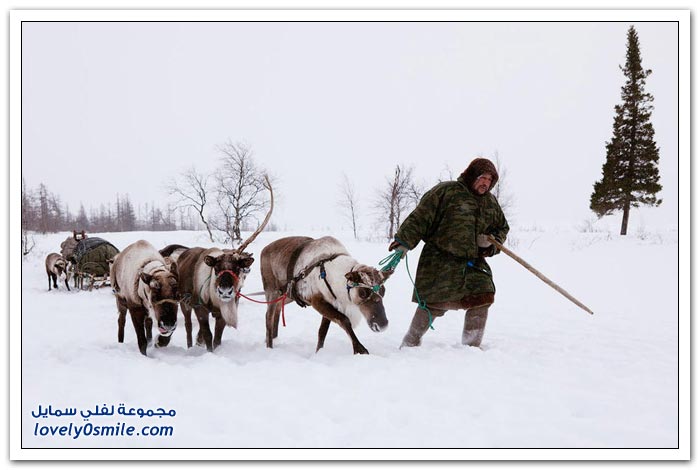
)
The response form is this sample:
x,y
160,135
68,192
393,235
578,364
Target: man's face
x,y
482,184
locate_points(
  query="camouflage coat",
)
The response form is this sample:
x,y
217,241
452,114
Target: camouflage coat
x,y
448,218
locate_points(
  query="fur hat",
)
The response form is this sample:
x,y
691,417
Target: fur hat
x,y
476,168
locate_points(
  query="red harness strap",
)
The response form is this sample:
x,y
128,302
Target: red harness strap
x,y
238,294
279,299
235,276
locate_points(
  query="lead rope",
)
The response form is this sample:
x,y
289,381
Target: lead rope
x,y
390,263
282,298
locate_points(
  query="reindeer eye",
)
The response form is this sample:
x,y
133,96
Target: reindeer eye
x,y
364,293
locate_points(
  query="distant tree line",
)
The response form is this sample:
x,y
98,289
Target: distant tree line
x,y
224,203
44,212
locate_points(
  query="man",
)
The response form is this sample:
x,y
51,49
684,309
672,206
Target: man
x,y
454,219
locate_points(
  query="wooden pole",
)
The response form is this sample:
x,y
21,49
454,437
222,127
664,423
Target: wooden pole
x,y
544,278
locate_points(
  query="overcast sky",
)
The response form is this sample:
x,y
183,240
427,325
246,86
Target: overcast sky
x,y
113,108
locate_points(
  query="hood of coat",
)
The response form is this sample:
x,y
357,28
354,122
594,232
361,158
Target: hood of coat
x,y
476,168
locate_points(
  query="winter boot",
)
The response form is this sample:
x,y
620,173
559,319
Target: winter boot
x,y
474,324
419,325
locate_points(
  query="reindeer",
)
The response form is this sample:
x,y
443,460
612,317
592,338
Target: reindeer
x,y
68,247
56,269
148,290
211,281
322,274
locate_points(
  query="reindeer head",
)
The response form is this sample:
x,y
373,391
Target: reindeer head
x,y
164,296
365,287
230,270
77,236
60,266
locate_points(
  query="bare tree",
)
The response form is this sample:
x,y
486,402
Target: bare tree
x,y
44,211
504,197
27,242
27,220
191,191
414,193
82,222
348,201
399,195
446,174
241,189
28,212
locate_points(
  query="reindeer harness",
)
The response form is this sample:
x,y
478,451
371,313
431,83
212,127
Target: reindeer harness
x,y
291,285
291,291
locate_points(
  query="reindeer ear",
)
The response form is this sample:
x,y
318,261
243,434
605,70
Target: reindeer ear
x,y
209,261
246,262
146,278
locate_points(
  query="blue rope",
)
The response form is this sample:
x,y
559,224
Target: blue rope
x,y
391,262
421,302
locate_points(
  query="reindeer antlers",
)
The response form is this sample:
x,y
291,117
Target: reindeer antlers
x,y
250,239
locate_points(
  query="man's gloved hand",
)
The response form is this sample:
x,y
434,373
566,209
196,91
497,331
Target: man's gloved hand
x,y
398,246
483,241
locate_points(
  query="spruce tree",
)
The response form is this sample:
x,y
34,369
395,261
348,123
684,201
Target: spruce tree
x,y
630,173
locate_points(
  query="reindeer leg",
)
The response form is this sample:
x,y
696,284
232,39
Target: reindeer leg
x,y
204,333
49,276
187,312
218,330
138,316
269,324
328,311
322,332
54,278
121,321
66,281
148,324
276,319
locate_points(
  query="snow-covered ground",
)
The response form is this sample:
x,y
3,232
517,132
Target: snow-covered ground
x,y
548,375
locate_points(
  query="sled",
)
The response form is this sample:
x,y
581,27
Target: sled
x,y
88,260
